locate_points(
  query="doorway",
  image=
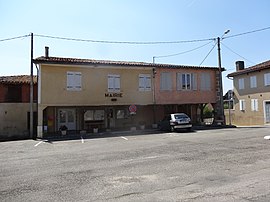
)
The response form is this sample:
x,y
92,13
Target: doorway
x,y
267,111
67,117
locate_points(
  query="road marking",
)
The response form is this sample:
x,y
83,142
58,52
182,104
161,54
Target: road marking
x,y
124,138
38,143
82,139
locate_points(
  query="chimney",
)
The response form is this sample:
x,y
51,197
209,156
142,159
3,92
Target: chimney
x,y
46,51
240,65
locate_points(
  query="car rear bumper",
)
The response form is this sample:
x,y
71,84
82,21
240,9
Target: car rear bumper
x,y
183,126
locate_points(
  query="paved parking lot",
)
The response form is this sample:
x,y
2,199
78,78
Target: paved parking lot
x,y
210,165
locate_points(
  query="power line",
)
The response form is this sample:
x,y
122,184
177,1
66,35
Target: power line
x,y
244,33
17,37
122,42
237,53
171,55
208,54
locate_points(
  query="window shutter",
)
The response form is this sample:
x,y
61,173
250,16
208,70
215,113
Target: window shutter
x,y
141,83
110,83
70,83
78,81
117,83
194,81
267,79
179,81
148,83
242,105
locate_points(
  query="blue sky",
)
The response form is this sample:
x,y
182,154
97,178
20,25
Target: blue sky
x,y
138,21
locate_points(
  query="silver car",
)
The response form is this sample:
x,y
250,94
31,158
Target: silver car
x,y
174,122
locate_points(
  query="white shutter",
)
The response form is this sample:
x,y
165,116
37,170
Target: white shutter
x,y
70,80
242,105
110,83
117,83
253,82
78,81
148,82
254,104
267,79
141,82
205,81
241,83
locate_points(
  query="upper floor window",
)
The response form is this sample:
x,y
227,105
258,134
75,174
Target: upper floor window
x,y
186,81
165,81
205,81
253,82
144,82
241,83
74,81
267,79
113,83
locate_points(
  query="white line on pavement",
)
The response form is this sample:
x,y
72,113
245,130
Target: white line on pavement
x,y
82,139
124,138
38,143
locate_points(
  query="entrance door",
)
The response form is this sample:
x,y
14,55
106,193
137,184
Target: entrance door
x,y
267,112
110,120
67,117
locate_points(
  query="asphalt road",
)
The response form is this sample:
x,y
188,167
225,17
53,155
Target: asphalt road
x,y
210,165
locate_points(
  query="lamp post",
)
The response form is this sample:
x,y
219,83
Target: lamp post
x,y
221,103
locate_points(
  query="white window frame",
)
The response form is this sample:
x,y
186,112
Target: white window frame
x,y
267,79
241,83
145,82
166,81
74,81
184,84
242,105
113,83
205,81
253,82
254,105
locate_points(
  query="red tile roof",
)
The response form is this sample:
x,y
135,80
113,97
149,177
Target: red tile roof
x,y
77,61
19,79
258,67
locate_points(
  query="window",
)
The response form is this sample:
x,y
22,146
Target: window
x,y
267,79
186,81
254,104
113,83
205,81
241,83
242,105
144,82
253,82
74,81
166,81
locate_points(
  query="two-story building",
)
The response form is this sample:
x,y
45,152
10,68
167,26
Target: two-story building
x,y
14,106
251,94
83,94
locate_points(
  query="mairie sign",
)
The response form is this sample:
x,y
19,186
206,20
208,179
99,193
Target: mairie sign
x,y
132,109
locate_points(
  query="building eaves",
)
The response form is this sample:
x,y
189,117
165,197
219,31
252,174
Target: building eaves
x,y
77,61
19,79
258,67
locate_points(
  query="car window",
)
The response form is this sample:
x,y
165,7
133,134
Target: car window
x,y
180,116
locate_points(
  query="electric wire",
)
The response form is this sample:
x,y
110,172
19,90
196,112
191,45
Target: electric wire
x,y
208,54
122,42
236,53
244,33
175,54
12,38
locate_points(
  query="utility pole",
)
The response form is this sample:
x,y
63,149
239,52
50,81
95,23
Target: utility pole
x,y
31,92
221,108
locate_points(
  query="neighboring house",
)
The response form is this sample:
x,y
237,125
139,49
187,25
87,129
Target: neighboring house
x,y
14,106
251,94
83,94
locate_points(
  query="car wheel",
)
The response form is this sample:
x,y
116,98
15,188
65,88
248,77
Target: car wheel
x,y
172,129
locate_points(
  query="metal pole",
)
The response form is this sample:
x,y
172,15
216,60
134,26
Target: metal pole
x,y
31,92
220,83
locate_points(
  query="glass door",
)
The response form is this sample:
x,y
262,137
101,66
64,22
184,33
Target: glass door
x,y
67,117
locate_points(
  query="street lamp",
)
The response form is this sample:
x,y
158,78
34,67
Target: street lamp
x,y
221,108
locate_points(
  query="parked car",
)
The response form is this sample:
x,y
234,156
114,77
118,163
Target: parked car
x,y
177,121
